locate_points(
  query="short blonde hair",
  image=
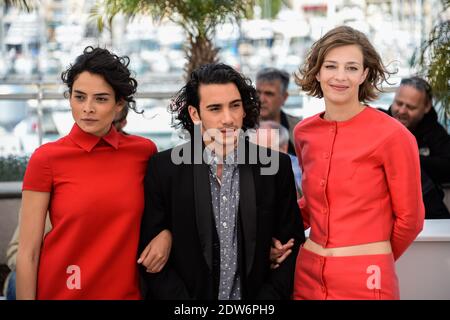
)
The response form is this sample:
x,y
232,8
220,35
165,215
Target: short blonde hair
x,y
337,37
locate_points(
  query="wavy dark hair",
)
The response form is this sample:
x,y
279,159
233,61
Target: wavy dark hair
x,y
214,73
113,68
305,78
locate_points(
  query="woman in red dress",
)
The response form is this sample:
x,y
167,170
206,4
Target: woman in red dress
x,y
361,177
91,183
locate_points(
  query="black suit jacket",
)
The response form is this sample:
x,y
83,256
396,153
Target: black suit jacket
x,y
178,197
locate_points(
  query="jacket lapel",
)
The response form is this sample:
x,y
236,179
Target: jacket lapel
x,y
203,210
247,208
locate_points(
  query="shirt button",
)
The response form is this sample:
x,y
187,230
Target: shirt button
x,y
322,182
324,210
224,198
326,155
323,288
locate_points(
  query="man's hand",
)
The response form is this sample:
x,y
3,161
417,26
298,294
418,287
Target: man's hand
x,y
279,252
156,253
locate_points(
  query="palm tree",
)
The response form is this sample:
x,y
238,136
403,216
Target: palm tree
x,y
198,18
22,4
270,8
433,61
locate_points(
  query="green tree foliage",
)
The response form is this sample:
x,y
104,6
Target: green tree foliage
x,y
28,5
270,8
12,168
198,18
434,64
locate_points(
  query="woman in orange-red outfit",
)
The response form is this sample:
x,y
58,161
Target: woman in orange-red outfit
x,y
91,183
361,177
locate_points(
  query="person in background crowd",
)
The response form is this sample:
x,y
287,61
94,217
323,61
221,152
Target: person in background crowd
x,y
413,107
272,87
273,135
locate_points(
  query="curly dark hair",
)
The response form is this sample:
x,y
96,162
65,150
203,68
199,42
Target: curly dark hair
x,y
214,73
113,68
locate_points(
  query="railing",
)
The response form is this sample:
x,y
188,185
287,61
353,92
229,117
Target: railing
x,y
10,189
42,93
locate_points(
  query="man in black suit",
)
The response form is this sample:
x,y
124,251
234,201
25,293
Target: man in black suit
x,y
223,198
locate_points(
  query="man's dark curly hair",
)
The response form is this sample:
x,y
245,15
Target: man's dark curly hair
x,y
113,68
215,73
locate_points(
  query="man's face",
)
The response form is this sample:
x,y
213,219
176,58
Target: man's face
x,y
272,98
221,113
409,106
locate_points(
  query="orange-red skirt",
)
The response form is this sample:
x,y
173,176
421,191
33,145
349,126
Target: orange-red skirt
x,y
364,277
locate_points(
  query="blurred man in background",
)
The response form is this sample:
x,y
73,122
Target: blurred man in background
x,y
413,107
272,87
273,135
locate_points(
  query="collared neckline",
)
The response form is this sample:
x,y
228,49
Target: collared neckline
x,y
88,141
211,158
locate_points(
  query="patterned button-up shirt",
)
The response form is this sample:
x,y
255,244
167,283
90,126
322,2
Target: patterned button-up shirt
x,y
225,201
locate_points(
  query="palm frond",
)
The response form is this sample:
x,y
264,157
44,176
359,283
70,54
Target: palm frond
x,y
198,18
27,5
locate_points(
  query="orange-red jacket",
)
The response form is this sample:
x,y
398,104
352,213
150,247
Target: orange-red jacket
x,y
360,180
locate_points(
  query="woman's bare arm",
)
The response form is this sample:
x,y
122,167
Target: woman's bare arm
x,y
31,229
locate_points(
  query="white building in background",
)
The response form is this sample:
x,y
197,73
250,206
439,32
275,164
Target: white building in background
x,y
414,16
395,27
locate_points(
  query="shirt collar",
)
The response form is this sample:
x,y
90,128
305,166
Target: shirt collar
x,y
88,141
212,158
229,164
